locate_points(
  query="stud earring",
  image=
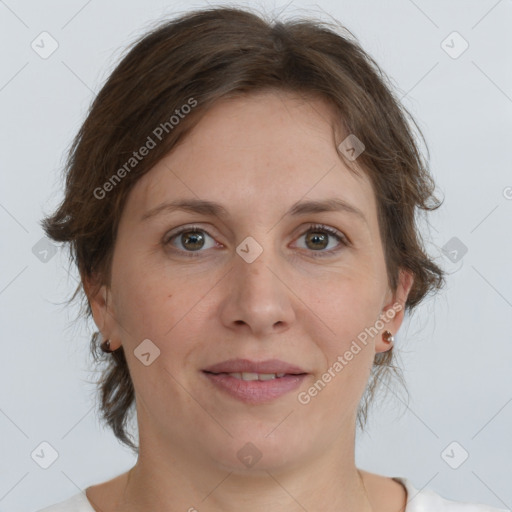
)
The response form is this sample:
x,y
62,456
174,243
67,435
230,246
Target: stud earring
x,y
388,337
105,346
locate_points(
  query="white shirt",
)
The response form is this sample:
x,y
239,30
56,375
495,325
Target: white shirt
x,y
425,500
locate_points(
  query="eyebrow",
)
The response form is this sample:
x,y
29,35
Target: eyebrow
x,y
217,210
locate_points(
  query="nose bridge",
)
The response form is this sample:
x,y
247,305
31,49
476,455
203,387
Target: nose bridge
x,y
258,296
257,302
254,261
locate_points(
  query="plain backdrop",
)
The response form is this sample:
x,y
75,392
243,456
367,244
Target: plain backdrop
x,y
456,349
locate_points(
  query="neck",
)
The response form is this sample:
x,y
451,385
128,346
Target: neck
x,y
168,484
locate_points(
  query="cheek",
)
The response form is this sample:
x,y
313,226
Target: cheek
x,y
349,353
142,302
166,308
348,309
346,303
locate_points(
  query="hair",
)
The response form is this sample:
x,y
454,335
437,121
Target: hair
x,y
195,60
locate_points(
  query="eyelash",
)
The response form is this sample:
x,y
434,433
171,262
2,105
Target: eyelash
x,y
313,227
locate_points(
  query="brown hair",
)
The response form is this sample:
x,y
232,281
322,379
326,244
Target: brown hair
x,y
195,60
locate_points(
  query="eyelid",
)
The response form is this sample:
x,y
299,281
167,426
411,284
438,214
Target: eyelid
x,y
343,240
183,229
331,231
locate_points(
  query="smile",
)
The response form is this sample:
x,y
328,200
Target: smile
x,y
255,376
255,388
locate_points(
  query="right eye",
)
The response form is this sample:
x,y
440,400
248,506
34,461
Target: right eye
x,y
191,238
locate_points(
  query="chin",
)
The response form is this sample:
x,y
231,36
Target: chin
x,y
250,452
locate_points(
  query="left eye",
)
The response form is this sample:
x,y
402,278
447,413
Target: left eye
x,y
193,239
319,235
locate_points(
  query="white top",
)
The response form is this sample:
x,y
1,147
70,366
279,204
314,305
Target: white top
x,y
425,500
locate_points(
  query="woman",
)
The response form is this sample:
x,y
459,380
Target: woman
x,y
220,151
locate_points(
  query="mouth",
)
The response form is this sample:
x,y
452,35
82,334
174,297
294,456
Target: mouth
x,y
268,367
251,376
255,382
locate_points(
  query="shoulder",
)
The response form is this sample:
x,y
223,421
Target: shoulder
x,y
427,500
77,503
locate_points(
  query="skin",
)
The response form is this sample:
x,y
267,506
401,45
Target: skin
x,y
257,155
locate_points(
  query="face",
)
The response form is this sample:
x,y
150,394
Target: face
x,y
256,280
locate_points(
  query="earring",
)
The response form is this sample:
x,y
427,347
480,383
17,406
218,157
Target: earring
x,y
105,346
388,337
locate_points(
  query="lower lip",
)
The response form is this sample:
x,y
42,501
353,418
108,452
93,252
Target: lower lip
x,y
256,391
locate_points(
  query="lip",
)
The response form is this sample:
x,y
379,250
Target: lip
x,y
246,365
255,391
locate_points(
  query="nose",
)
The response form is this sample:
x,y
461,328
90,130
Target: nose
x,y
258,299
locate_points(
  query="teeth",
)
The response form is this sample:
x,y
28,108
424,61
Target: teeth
x,y
249,376
256,376
266,376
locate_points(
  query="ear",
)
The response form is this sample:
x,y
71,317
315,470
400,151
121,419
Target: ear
x,y
100,300
394,309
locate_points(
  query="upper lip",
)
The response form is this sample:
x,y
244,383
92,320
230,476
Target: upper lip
x,y
246,365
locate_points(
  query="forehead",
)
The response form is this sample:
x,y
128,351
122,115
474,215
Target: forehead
x,y
263,151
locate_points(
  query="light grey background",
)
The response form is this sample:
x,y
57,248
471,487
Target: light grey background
x,y
456,350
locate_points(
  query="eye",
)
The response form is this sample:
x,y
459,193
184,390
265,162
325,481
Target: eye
x,y
192,240
317,236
